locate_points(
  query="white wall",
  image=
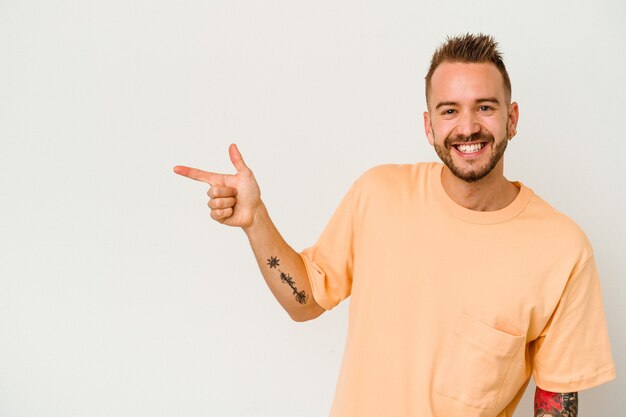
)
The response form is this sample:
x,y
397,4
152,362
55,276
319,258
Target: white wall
x,y
120,297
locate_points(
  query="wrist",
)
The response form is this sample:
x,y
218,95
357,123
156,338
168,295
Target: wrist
x,y
258,219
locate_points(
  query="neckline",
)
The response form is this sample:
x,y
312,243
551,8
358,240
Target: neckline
x,y
479,217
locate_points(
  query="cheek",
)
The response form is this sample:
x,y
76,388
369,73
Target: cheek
x,y
441,130
498,128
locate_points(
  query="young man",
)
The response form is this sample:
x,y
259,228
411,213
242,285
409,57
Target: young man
x,y
462,283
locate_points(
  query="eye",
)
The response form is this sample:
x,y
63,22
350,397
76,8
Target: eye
x,y
486,108
448,112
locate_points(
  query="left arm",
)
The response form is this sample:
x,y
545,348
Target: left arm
x,y
553,404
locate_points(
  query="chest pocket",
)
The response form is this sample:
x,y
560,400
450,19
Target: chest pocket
x,y
475,363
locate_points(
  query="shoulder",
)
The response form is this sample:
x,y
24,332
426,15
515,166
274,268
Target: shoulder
x,y
557,228
394,176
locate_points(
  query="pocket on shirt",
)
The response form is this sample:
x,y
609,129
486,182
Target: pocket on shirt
x,y
475,363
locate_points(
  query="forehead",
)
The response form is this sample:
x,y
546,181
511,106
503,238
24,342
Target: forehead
x,y
455,81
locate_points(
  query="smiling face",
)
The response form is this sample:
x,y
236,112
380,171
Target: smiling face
x,y
470,118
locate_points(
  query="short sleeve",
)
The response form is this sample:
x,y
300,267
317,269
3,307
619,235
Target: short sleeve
x,y
573,352
329,262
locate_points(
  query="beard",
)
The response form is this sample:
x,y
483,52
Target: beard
x,y
476,171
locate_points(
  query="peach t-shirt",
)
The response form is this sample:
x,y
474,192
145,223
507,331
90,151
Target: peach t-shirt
x,y
452,310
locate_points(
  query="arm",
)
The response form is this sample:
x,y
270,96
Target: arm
x,y
282,268
555,404
235,200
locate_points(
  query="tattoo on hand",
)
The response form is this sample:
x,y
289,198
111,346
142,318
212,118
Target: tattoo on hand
x,y
552,404
273,262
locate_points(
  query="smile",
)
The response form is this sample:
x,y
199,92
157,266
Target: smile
x,y
470,148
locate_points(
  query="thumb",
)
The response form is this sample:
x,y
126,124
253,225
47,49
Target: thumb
x,y
237,159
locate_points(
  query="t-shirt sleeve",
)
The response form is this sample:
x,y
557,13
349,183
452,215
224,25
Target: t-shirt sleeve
x,y
573,352
329,262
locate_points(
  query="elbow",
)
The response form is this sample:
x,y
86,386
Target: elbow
x,y
306,314
302,318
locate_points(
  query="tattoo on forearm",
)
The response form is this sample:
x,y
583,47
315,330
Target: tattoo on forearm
x,y
273,262
552,404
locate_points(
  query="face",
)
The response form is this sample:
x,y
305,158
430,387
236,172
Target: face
x,y
470,119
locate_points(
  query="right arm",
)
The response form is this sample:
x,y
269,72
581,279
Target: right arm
x,y
282,268
235,200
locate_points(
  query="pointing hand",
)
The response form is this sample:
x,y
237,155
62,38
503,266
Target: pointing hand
x,y
233,198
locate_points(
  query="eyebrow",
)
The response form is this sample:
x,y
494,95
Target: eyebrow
x,y
493,100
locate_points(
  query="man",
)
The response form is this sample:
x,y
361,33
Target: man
x,y
462,283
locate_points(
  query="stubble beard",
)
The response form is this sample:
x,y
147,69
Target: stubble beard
x,y
474,173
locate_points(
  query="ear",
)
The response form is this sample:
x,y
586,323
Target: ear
x,y
428,129
512,121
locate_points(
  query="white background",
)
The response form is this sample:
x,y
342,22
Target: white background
x,y
120,297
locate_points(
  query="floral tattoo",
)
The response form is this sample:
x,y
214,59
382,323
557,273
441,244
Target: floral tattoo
x,y
273,262
552,404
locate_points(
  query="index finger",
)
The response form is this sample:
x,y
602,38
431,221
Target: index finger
x,y
199,175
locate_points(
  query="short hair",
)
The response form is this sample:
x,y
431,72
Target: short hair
x,y
469,49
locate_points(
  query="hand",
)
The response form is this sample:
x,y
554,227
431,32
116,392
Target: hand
x,y
233,199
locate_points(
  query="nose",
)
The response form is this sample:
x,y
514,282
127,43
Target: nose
x,y
467,125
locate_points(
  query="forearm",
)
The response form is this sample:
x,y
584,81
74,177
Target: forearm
x,y
282,268
553,404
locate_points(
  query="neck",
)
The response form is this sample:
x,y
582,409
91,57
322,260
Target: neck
x,y
493,192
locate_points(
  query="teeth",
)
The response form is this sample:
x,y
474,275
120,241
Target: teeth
x,y
470,148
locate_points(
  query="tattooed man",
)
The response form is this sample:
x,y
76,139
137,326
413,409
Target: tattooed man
x,y
463,284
